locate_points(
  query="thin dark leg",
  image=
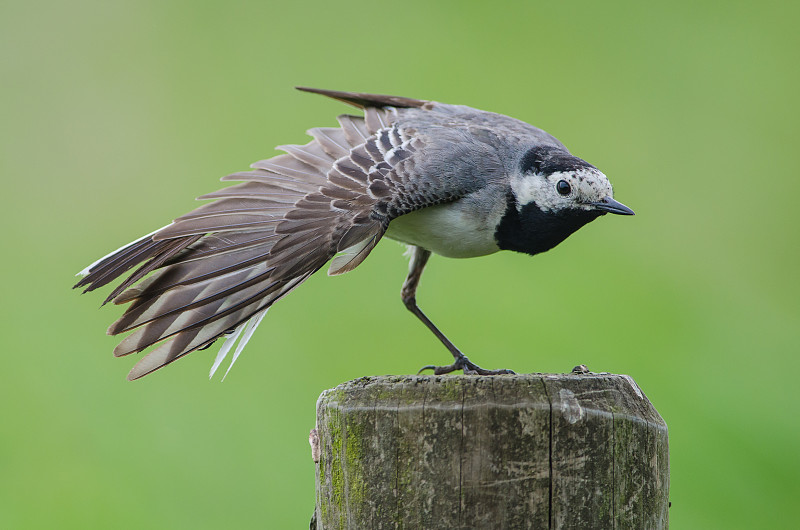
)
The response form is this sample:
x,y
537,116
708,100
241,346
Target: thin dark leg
x,y
419,257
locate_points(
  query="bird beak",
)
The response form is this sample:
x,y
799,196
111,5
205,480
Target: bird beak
x,y
611,206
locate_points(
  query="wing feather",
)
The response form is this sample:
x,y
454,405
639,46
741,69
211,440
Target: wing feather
x,y
352,257
311,154
291,167
374,120
192,293
361,100
332,140
216,270
197,269
181,323
254,189
353,128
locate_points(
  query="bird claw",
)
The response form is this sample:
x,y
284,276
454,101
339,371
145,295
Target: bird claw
x,y
467,366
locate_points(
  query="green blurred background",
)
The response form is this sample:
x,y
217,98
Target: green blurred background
x,y
115,115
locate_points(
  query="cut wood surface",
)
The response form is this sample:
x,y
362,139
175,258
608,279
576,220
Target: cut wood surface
x,y
525,451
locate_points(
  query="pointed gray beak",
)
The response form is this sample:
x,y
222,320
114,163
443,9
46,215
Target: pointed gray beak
x,y
611,206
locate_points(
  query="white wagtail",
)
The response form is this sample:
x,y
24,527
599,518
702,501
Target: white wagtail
x,y
440,178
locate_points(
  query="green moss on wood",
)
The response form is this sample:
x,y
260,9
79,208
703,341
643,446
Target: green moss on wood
x,y
456,451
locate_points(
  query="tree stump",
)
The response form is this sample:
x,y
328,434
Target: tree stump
x,y
527,451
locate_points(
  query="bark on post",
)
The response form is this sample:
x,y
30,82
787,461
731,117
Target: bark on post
x,y
529,451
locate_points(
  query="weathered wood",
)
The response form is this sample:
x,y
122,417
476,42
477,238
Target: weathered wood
x,y
530,451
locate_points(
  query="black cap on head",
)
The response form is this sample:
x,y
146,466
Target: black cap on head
x,y
547,159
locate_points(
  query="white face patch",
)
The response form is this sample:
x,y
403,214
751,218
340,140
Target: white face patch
x,y
587,185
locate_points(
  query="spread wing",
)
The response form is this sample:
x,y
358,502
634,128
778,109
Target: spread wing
x,y
214,272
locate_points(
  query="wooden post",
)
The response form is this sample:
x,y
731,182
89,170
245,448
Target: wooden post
x,y
529,451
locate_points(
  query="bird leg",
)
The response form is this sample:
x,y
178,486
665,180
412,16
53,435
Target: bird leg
x,y
419,257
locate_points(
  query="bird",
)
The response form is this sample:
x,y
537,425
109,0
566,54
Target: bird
x,y
442,179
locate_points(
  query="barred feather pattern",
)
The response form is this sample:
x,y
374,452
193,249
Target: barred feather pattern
x,y
211,271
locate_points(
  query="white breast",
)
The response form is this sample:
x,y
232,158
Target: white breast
x,y
460,229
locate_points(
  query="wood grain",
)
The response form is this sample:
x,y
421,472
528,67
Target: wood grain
x,y
526,451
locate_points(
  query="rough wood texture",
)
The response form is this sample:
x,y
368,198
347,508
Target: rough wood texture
x,y
530,451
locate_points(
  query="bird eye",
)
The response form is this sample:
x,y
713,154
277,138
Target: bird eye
x,y
563,187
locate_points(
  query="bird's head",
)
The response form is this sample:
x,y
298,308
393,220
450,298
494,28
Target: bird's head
x,y
552,194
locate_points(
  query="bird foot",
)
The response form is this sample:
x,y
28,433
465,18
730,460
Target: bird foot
x,y
463,363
